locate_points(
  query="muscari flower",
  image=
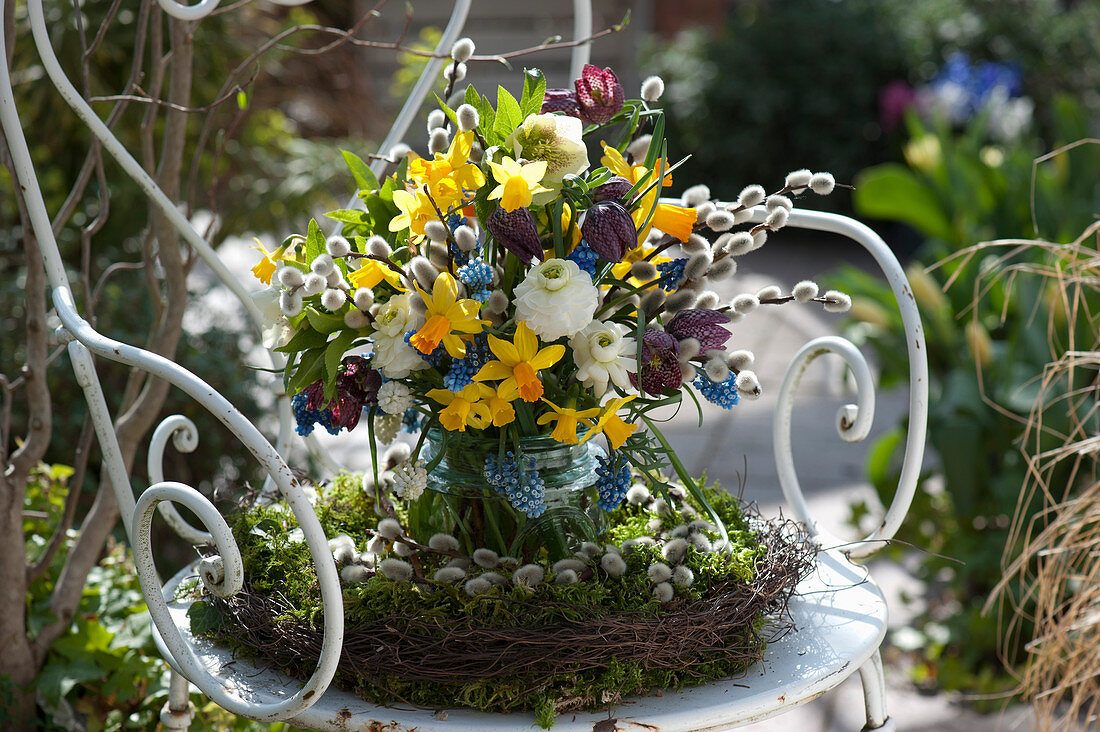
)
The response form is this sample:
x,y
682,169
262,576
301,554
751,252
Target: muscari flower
x,y
518,183
702,325
609,230
447,316
566,421
516,232
556,299
517,364
660,364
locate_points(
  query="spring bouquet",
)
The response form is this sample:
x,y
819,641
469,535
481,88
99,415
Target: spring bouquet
x,y
523,298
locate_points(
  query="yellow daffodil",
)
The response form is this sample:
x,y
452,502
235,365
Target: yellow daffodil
x,y
416,210
371,272
268,263
448,176
466,407
675,221
447,316
518,364
501,409
518,184
611,424
567,421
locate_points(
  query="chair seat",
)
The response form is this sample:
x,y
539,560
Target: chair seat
x,y
839,616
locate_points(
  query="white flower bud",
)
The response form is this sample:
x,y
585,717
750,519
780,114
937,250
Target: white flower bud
x,y
689,349
660,507
663,592
723,269
638,148
652,301
400,452
613,564
777,219
468,118
740,360
462,50
652,88
337,246
378,247
695,195
745,303
322,265
476,153
695,245
751,196
589,550
683,576
679,300
436,230
342,546
837,302
704,209
449,574
697,265
396,569
486,558
454,72
354,574
797,180
740,243
636,496
700,542
771,292
443,543
389,529
643,270
402,549
290,277
399,151
675,551
707,301
822,183
460,562
439,254
363,299
716,369
356,319
332,299
747,384
528,575
465,238
805,291
569,563
566,577
777,201
477,586
759,239
495,578
290,302
439,140
424,272
720,221
659,572
497,302
436,119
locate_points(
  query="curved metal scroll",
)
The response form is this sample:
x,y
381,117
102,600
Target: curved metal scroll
x,y
854,420
185,438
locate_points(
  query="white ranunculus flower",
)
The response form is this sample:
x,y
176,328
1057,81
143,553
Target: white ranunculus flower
x,y
275,330
555,138
393,356
557,298
397,317
602,353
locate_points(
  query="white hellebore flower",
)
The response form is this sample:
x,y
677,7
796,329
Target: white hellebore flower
x,y
602,353
277,330
395,358
556,139
394,397
556,299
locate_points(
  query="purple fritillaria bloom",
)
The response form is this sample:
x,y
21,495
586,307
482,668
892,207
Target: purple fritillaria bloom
x,y
660,366
609,230
516,231
703,325
599,94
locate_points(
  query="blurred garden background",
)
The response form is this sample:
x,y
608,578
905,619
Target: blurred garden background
x,y
958,122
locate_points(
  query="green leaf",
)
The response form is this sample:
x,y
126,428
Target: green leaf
x,y
534,89
326,323
304,340
204,617
487,123
242,99
891,191
59,678
309,370
450,113
382,213
365,178
315,241
509,115
334,353
350,216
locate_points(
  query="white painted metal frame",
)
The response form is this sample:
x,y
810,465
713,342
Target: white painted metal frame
x,y
841,615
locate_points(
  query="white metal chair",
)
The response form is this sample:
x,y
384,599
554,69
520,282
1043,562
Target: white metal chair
x,y
840,613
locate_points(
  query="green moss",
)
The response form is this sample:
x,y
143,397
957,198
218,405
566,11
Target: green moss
x,y
274,562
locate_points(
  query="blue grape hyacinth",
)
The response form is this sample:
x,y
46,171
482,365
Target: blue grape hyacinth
x,y
613,479
519,481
